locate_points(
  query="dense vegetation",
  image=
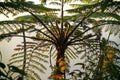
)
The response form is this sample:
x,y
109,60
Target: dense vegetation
x,y
49,37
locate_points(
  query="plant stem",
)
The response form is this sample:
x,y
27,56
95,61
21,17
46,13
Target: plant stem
x,y
62,14
24,40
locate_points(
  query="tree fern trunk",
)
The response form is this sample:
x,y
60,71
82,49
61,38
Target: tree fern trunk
x,y
60,62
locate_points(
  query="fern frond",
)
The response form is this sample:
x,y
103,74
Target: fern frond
x,y
67,58
10,28
20,5
105,15
34,67
17,57
40,54
17,54
30,77
39,58
34,56
111,22
71,52
16,61
55,3
84,8
38,64
34,74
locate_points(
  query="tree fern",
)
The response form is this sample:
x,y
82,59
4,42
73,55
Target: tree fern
x,y
61,38
64,34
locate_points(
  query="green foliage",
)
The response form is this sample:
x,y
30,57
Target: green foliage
x,y
5,74
9,32
89,1
69,36
105,3
91,68
6,70
43,1
2,65
34,58
16,70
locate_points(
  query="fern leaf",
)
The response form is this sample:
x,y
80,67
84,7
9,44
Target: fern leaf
x,y
16,54
34,74
16,61
38,64
39,58
17,57
30,77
